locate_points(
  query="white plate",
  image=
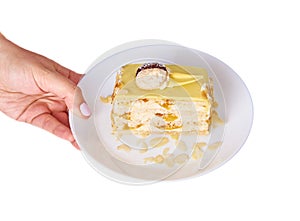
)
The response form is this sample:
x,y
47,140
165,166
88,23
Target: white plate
x,y
98,145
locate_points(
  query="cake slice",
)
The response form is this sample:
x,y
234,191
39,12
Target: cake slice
x,y
156,98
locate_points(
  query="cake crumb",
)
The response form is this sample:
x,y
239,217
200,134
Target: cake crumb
x,y
197,154
197,151
159,159
199,145
215,104
149,159
216,120
215,145
124,147
165,151
174,135
181,158
159,141
107,99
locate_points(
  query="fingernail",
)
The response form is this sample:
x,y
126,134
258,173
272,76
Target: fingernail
x,y
85,110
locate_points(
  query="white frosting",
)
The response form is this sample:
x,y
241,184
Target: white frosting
x,y
152,78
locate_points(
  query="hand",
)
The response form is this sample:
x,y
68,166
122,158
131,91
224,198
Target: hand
x,y
37,90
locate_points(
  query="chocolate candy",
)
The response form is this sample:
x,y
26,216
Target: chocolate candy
x,y
150,66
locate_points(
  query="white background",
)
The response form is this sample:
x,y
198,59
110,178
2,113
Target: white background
x,y
45,178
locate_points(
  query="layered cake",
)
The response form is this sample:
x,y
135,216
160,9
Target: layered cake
x,y
158,98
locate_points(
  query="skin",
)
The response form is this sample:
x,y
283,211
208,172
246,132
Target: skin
x,y
37,90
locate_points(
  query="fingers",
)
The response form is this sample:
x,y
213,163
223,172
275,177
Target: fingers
x,y
76,145
49,123
62,117
66,89
80,107
63,83
57,125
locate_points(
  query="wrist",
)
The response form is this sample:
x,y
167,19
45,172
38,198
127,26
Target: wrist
x,y
2,38
2,59
2,41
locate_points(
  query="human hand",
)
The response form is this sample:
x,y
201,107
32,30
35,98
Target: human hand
x,y
37,90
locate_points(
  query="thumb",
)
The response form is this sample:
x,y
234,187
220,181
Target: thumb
x,y
80,107
66,89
